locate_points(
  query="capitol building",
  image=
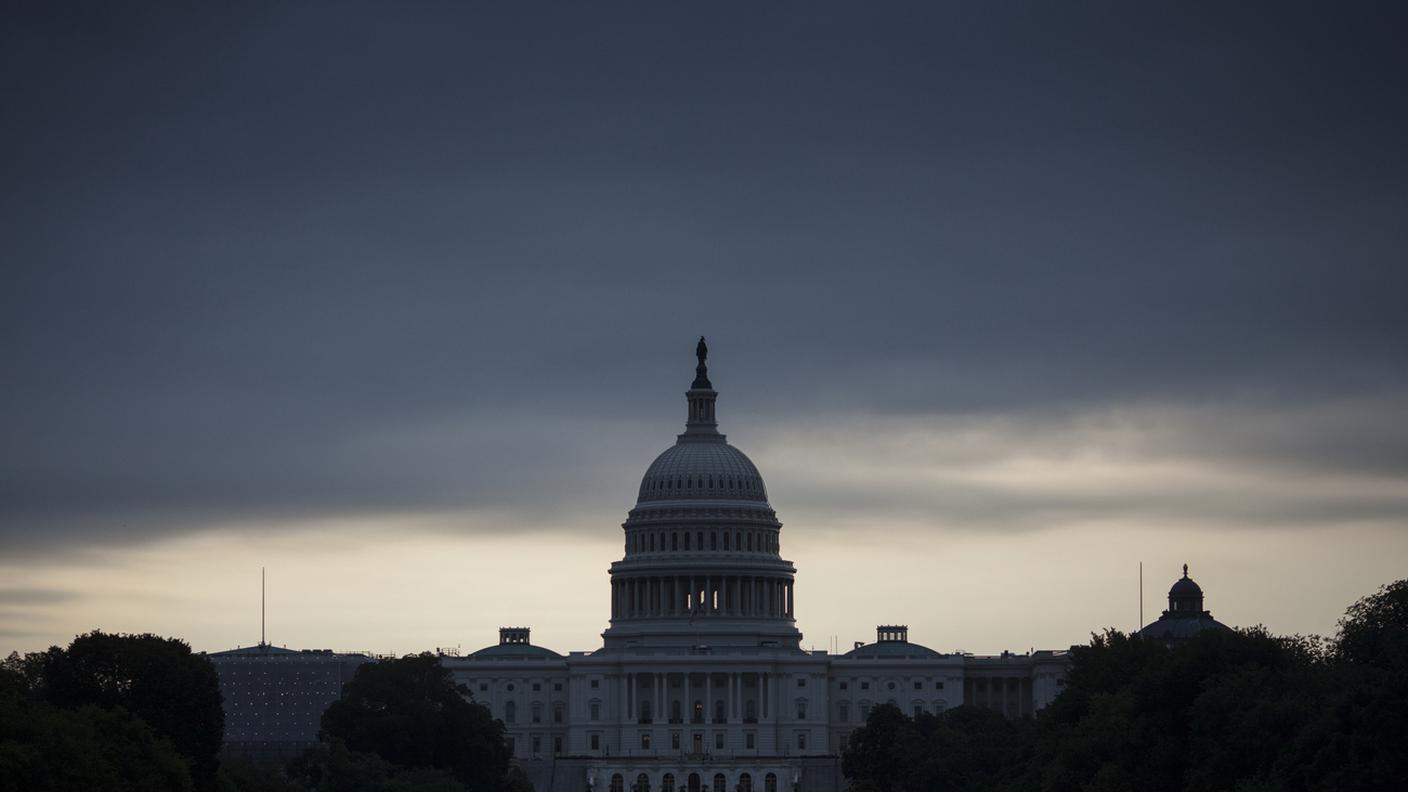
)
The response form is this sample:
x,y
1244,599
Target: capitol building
x,y
701,682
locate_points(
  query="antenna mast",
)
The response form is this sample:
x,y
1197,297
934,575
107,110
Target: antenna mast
x,y
1141,596
261,606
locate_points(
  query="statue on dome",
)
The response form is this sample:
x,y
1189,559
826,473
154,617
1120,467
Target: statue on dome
x,y
701,351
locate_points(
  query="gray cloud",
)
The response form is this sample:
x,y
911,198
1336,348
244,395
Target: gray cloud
x,y
296,262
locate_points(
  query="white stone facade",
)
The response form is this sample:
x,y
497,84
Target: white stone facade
x,y
701,682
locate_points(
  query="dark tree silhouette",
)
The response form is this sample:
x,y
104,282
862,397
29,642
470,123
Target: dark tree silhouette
x,y
45,747
410,713
157,679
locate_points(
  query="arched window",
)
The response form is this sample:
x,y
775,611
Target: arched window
x,y
618,784
750,711
720,783
667,784
750,540
843,712
719,716
693,783
642,783
510,712
726,540
801,709
770,782
645,711
686,540
652,543
537,712
675,716
713,541
557,712
674,541
745,782
698,712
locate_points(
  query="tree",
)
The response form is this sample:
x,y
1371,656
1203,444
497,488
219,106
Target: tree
x,y
410,713
332,768
156,679
45,747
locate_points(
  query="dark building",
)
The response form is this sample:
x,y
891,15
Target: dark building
x,y
275,698
1185,616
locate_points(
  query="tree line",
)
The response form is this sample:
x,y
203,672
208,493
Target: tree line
x,y
1241,710
144,713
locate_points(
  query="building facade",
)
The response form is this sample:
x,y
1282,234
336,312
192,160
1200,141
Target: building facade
x,y
275,698
701,682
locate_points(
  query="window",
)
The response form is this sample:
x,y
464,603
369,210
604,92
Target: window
x,y
843,713
801,681
718,741
537,687
645,741
749,739
537,744
918,710
596,742
483,686
509,742
918,685
801,741
537,713
698,716
719,716
510,712
770,782
557,686
865,686
618,784
557,713
674,741
745,782
720,783
595,710
596,683
890,686
939,685
801,709
843,685
642,783
667,783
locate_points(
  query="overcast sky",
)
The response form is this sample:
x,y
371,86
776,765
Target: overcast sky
x,y
400,301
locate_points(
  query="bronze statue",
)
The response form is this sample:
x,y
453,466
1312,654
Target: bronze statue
x,y
701,351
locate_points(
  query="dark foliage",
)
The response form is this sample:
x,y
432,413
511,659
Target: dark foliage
x,y
410,713
44,747
1241,710
156,679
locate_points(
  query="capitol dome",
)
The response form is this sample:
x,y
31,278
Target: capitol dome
x,y
702,563
711,471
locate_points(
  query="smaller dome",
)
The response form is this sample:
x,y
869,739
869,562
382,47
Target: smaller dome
x,y
1185,587
893,650
515,651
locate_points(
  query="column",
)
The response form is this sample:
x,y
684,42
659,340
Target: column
x,y
708,697
791,603
764,697
728,709
675,587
